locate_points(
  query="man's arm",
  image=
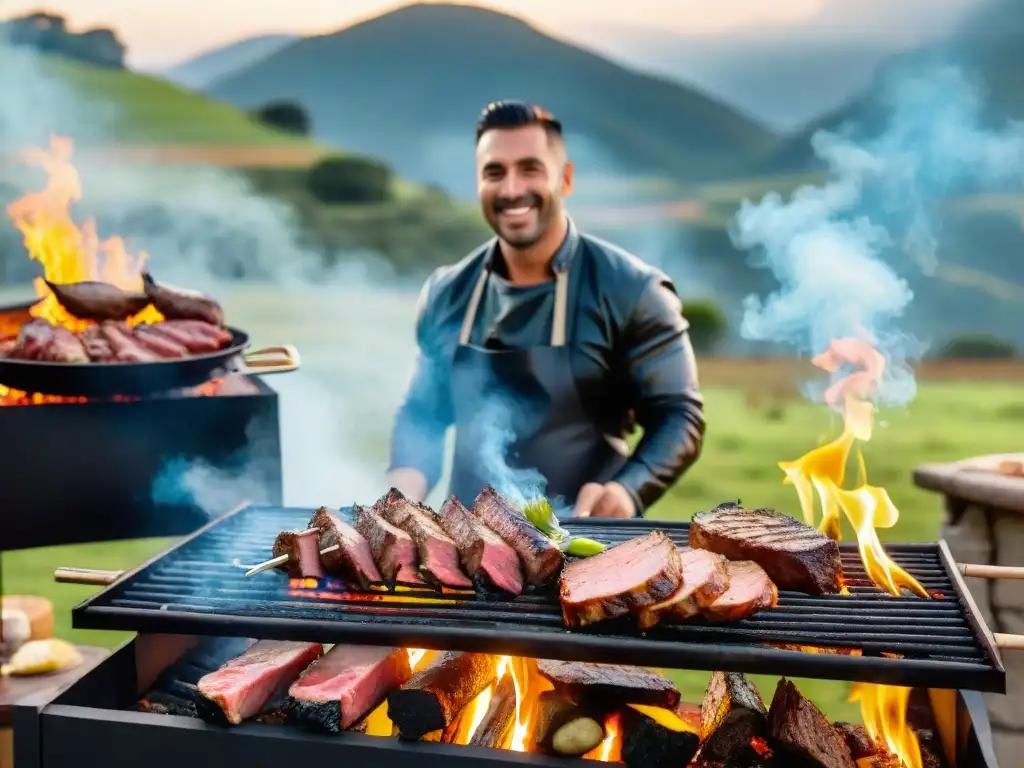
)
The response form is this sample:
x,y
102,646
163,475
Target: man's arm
x,y
666,398
417,440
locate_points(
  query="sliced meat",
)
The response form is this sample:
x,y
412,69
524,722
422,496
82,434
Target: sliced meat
x,y
611,684
198,328
346,684
33,339
92,300
352,560
240,688
303,550
482,552
96,345
181,303
800,734
749,591
393,549
438,555
196,343
541,557
794,555
437,694
126,349
628,577
158,343
64,347
705,579
731,716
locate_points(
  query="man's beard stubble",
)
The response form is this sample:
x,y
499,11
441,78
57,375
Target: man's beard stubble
x,y
545,212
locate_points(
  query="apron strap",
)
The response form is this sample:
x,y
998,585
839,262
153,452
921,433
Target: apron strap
x,y
559,313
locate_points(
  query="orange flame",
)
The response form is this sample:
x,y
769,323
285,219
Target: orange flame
x,y
822,471
68,252
609,750
884,711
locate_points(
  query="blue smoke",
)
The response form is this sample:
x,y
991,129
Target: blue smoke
x,y
837,250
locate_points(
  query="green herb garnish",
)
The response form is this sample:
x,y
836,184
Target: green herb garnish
x,y
542,517
581,547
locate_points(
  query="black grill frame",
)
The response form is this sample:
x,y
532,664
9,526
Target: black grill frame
x,y
944,641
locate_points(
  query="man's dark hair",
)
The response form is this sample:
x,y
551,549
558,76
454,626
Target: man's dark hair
x,y
516,114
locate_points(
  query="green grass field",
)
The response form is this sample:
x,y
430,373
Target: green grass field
x,y
946,422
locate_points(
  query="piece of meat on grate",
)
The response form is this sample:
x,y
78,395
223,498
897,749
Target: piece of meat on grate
x,y
749,591
628,577
303,550
705,579
393,549
344,685
794,555
541,557
240,688
352,560
482,552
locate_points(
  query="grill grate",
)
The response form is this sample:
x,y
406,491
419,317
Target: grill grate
x,y
194,589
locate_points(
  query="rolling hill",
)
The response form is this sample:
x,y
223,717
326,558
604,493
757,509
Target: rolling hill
x,y
219,62
407,87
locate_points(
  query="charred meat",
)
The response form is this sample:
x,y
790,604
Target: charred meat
x,y
438,555
795,556
541,557
92,300
182,304
802,735
303,550
609,684
393,549
629,577
749,591
732,715
240,688
705,579
352,560
482,552
345,684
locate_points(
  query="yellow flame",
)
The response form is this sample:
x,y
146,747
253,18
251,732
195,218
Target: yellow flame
x,y
884,711
664,717
477,708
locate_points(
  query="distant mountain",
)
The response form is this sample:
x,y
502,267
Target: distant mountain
x,y
200,71
407,87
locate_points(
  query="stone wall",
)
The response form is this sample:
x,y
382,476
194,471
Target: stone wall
x,y
984,524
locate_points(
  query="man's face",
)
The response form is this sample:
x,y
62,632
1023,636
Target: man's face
x,y
522,176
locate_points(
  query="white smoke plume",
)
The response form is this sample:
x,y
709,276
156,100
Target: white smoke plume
x,y
840,250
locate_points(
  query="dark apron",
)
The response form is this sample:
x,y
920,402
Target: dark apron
x,y
535,391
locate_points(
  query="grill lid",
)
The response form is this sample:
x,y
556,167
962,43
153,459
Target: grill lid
x,y
194,589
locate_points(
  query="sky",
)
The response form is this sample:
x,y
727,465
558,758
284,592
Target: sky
x,y
166,33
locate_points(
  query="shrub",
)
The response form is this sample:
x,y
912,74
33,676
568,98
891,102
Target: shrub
x,y
351,180
708,325
288,116
977,345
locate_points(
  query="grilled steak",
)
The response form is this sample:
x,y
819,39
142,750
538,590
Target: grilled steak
x,y
438,555
96,345
393,549
705,579
158,343
731,715
182,304
126,349
353,560
749,590
613,684
482,552
64,347
197,343
303,550
437,694
540,556
240,688
627,577
345,684
92,300
801,735
795,556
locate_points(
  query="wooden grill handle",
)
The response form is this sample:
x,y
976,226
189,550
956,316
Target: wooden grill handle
x,y
990,571
90,576
1009,642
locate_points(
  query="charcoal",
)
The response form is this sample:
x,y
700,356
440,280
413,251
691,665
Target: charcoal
x,y
646,743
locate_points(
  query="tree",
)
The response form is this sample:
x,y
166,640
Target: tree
x,y
288,116
708,325
353,180
977,345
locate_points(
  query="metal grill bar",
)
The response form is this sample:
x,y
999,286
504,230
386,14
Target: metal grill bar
x,y
195,589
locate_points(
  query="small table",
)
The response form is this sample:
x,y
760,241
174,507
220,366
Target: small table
x,y
14,689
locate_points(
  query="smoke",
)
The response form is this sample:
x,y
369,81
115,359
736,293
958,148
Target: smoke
x,y
494,443
208,229
840,251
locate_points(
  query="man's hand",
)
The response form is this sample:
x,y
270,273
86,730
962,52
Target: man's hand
x,y
608,500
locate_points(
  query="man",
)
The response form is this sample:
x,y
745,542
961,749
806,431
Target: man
x,y
584,340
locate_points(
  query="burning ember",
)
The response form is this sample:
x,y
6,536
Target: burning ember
x,y
884,710
822,471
